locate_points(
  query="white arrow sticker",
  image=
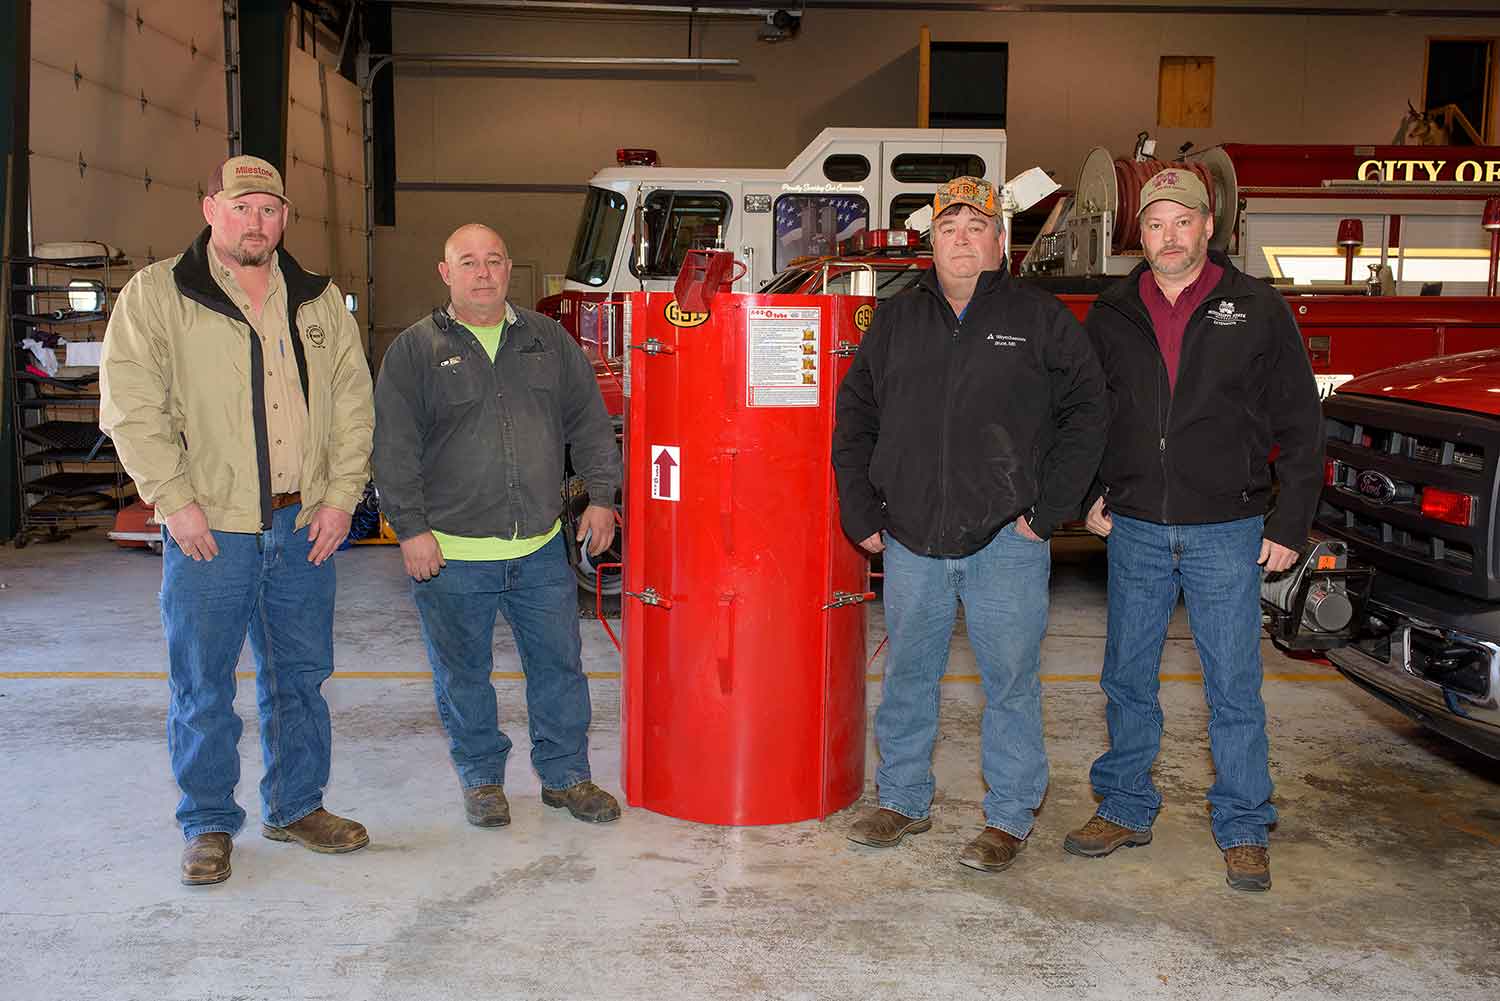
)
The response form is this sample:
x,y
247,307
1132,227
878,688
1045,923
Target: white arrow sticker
x,y
666,472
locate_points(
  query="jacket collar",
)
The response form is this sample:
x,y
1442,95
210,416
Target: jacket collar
x,y
445,317
195,280
989,281
1234,284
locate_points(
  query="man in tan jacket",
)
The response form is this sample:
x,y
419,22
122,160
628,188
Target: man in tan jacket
x,y
238,397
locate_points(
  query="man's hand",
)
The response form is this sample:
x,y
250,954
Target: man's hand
x,y
189,529
1098,521
1275,557
422,556
326,532
873,544
1024,528
601,522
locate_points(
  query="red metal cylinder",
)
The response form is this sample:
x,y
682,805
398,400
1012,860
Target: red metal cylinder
x,y
1351,238
744,698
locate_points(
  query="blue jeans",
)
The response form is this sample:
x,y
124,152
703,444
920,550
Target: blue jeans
x,y
1003,588
260,584
1214,567
538,595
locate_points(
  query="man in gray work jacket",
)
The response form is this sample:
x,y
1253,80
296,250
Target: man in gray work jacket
x,y
473,408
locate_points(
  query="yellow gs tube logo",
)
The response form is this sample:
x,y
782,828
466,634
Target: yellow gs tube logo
x,y
862,317
677,318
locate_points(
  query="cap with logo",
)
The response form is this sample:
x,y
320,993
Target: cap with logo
x,y
975,192
246,175
1174,184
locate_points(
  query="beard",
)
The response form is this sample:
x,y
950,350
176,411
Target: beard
x,y
246,257
1191,257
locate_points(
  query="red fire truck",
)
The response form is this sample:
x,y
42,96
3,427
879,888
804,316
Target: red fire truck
x,y
1380,250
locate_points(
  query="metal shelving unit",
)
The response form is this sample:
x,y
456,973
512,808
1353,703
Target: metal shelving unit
x,y
69,474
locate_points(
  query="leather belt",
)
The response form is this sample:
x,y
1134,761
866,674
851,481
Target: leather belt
x,y
279,501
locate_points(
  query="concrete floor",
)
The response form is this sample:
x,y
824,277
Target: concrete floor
x,y
1385,861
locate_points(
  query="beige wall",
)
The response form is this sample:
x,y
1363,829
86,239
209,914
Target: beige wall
x,y
325,170
1075,81
100,117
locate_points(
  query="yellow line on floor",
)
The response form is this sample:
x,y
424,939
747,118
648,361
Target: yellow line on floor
x,y
949,679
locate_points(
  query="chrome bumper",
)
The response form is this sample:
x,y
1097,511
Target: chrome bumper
x,y
1398,678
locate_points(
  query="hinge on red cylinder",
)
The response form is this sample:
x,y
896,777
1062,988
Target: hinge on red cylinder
x,y
650,596
845,349
843,598
652,346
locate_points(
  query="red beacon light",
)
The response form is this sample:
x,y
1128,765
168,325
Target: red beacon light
x,y
637,158
875,241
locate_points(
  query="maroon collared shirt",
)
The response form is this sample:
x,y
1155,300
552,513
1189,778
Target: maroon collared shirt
x,y
1169,319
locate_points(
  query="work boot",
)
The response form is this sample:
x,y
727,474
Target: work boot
x,y
321,831
993,851
884,828
485,806
1099,837
1248,867
585,801
205,859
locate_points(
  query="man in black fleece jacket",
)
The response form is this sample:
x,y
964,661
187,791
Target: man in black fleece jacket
x,y
968,427
1206,373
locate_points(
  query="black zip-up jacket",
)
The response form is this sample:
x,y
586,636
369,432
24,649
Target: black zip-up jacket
x,y
475,448
946,430
1197,455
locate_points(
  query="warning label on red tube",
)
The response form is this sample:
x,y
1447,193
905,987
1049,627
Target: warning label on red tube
x,y
666,472
782,361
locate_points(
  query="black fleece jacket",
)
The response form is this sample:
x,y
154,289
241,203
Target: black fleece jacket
x,y
1198,454
948,429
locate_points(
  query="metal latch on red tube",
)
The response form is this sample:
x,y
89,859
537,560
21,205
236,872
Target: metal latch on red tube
x,y
652,346
845,349
650,596
843,598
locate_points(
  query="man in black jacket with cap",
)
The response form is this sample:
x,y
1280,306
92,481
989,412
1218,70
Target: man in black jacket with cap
x,y
968,427
1207,372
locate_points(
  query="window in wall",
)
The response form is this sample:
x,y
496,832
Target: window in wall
x,y
1460,72
1185,92
846,167
904,205
679,221
812,225
935,168
967,85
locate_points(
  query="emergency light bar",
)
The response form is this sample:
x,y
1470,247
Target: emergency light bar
x,y
637,158
873,241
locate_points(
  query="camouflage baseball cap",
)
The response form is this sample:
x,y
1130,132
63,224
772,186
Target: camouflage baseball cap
x,y
246,175
975,192
1175,184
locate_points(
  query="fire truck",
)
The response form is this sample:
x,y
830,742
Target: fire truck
x,y
1380,250
1400,585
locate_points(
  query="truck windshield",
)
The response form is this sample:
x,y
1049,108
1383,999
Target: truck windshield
x,y
598,236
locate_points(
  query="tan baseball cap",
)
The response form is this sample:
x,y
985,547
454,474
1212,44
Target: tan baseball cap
x,y
246,175
975,192
1175,184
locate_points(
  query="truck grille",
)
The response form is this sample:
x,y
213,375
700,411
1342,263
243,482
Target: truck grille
x,y
1385,454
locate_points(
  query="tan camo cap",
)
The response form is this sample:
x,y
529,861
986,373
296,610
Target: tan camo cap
x,y
246,175
975,192
1175,185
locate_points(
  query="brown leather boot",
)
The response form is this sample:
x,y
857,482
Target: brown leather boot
x,y
1248,867
205,859
321,831
993,851
486,806
882,828
1099,837
585,801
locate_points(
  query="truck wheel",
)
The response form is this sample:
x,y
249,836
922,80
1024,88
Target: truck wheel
x,y
575,499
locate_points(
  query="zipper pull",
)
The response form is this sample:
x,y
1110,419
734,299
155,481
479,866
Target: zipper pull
x,y
1161,444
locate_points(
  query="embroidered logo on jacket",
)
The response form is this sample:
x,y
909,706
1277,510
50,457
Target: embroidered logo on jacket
x,y
315,336
1225,315
998,340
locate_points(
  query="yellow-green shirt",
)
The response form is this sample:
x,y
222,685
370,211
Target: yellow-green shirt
x,y
467,548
